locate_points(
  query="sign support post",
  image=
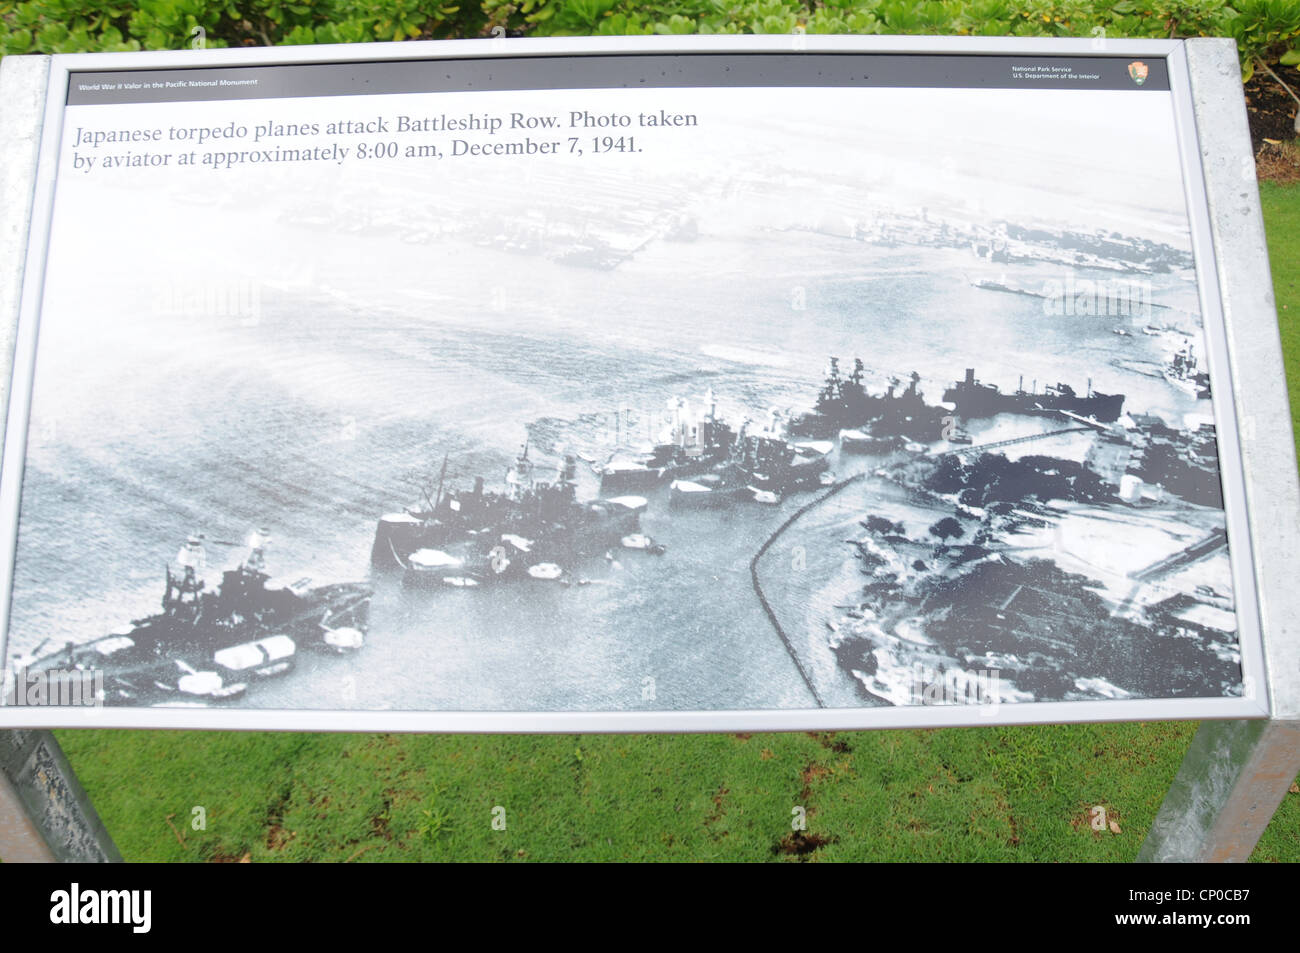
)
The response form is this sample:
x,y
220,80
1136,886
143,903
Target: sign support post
x,y
45,814
1236,772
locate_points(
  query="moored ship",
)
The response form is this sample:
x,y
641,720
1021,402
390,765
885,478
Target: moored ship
x,y
208,644
693,441
973,398
768,464
482,534
844,403
1185,373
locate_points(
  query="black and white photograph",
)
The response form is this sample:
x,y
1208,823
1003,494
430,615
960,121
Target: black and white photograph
x,y
674,399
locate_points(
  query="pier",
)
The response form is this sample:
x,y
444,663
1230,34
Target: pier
x,y
1197,551
758,587
981,447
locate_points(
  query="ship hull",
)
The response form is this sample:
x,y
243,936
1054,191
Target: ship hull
x,y
988,402
487,558
167,657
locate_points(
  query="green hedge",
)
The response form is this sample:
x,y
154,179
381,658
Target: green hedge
x,y
1263,29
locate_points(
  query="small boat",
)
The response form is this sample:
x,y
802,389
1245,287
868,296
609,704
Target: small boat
x,y
518,542
196,684
643,542
960,436
427,567
262,658
461,582
764,496
432,559
545,571
344,639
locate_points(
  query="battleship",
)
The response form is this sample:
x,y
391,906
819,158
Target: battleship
x,y
973,398
692,442
763,466
209,644
705,460
769,465
845,404
1185,373
465,538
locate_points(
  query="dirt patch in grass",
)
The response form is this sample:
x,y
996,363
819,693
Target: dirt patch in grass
x,y
814,772
829,741
718,810
801,844
1013,839
379,823
716,813
276,835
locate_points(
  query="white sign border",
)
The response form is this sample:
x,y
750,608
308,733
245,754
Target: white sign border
x,y
1253,704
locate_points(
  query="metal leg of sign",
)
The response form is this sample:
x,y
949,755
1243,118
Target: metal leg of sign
x,y
45,814
1232,780
1236,772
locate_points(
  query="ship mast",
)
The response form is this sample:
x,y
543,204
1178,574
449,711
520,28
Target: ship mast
x,y
441,479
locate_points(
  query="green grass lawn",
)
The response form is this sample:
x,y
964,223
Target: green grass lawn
x,y
964,794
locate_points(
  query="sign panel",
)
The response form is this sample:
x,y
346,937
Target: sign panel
x,y
605,386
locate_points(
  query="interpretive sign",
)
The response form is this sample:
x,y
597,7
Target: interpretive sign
x,y
614,385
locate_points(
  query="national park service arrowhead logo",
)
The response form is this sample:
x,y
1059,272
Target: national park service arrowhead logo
x,y
1138,71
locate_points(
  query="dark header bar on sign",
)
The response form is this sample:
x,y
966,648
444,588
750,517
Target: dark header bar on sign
x,y
613,71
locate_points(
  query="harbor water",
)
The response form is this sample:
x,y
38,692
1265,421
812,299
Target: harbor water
x,y
357,363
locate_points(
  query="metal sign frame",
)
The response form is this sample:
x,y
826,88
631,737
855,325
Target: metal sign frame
x,y
1237,311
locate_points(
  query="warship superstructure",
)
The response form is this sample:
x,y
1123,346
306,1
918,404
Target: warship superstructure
x,y
693,440
208,643
844,403
1184,372
465,538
